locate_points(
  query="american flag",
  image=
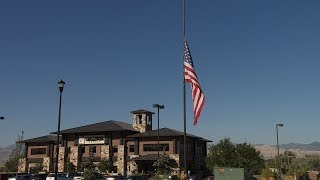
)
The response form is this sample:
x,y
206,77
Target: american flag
x,y
191,77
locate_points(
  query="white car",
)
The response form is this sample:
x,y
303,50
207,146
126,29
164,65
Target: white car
x,y
61,176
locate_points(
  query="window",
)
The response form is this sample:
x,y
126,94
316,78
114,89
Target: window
x,y
36,151
154,147
83,149
93,149
139,119
149,120
198,150
115,149
189,147
131,148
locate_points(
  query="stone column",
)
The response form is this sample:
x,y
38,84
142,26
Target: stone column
x,y
61,159
74,154
121,159
176,157
105,152
132,166
46,164
22,165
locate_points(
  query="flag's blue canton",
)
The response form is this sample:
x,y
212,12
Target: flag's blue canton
x,y
187,55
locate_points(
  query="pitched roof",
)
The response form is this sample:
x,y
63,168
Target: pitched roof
x,y
47,138
141,111
148,157
105,126
163,132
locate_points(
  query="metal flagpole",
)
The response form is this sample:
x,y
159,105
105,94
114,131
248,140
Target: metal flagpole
x,y
184,95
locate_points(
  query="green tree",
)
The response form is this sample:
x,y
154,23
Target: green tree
x,y
70,167
38,168
222,154
17,152
227,154
105,165
90,172
163,165
313,162
303,171
249,158
267,173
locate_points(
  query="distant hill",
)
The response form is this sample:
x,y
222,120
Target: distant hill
x,y
4,154
269,151
315,146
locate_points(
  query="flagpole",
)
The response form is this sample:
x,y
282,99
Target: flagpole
x,y
184,95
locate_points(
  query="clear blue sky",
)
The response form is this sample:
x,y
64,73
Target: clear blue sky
x,y
257,61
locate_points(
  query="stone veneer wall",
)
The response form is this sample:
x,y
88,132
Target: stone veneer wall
x,y
140,127
132,166
105,152
74,154
22,165
46,164
121,159
61,159
176,157
32,165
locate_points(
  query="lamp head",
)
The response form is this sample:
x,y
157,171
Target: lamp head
x,y
61,85
280,125
1,118
158,106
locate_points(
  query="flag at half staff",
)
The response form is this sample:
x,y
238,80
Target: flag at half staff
x,y
191,77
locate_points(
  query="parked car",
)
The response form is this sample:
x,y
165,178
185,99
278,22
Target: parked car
x,y
78,176
22,177
115,177
61,176
40,176
209,178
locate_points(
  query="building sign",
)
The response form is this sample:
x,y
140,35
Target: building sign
x,y
92,140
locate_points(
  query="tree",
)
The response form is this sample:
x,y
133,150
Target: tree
x,y
303,171
70,167
90,172
226,154
249,158
163,165
17,152
222,154
105,165
267,173
38,168
313,162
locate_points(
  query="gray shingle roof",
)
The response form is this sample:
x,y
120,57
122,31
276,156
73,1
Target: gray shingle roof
x,y
163,132
148,157
47,138
141,111
105,126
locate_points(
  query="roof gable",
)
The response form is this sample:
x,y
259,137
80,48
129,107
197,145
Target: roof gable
x,y
141,111
47,138
162,132
105,126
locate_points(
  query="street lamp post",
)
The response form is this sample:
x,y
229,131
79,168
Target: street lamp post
x,y
158,106
279,168
61,85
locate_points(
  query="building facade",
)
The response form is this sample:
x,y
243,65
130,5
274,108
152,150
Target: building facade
x,y
131,148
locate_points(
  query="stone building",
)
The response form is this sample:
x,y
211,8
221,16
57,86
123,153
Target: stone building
x,y
132,148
